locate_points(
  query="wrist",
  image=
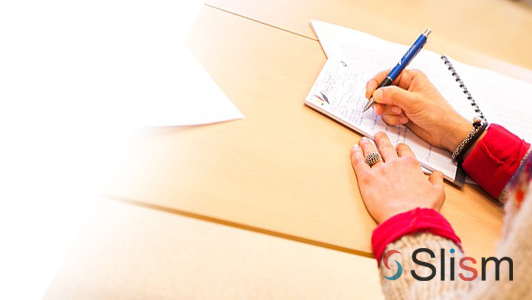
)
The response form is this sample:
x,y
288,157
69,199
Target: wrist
x,y
401,209
457,133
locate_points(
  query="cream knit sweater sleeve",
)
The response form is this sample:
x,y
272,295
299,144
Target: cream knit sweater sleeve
x,y
516,244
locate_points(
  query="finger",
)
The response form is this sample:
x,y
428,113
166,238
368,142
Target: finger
x,y
407,76
395,120
358,161
382,109
391,110
404,150
385,147
368,147
403,80
374,82
436,178
379,108
394,95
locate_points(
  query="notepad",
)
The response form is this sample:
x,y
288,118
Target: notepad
x,y
355,57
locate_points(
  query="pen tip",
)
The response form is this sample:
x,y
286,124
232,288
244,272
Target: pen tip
x,y
368,105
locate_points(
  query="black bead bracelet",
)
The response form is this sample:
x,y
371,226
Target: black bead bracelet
x,y
461,150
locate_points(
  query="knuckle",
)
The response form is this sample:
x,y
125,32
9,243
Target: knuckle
x,y
380,170
418,72
411,160
402,147
365,178
370,83
390,120
439,190
358,163
383,73
379,136
397,162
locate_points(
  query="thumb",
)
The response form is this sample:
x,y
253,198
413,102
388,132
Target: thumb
x,y
436,178
394,95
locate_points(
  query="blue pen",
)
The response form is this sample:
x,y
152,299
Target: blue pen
x,y
407,58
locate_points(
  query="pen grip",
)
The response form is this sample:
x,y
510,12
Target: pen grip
x,y
386,82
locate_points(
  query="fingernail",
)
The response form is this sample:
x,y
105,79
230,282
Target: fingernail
x,y
403,120
356,147
396,110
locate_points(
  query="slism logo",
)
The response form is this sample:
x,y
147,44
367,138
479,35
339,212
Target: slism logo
x,y
399,267
503,264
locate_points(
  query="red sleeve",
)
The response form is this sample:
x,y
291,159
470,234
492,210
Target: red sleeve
x,y
495,159
412,221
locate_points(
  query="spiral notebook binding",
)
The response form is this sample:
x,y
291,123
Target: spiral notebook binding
x,y
463,87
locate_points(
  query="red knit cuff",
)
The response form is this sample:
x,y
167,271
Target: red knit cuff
x,y
495,159
412,221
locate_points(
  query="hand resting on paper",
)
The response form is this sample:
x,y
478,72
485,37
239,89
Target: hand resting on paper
x,y
413,101
396,183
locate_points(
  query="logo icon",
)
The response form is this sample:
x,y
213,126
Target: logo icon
x,y
399,267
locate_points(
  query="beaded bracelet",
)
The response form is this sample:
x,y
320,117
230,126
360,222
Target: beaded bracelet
x,y
476,132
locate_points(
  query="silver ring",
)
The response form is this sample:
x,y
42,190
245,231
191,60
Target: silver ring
x,y
373,158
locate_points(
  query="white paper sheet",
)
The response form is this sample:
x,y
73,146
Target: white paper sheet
x,y
197,99
339,93
131,63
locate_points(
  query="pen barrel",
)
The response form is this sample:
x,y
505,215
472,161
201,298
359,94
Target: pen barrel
x,y
407,58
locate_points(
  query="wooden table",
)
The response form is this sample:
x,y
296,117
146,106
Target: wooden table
x,y
129,252
284,170
480,32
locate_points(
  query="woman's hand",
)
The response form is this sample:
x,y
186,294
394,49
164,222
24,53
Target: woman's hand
x,y
395,184
416,103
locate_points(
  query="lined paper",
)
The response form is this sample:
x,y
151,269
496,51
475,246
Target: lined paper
x,y
339,93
